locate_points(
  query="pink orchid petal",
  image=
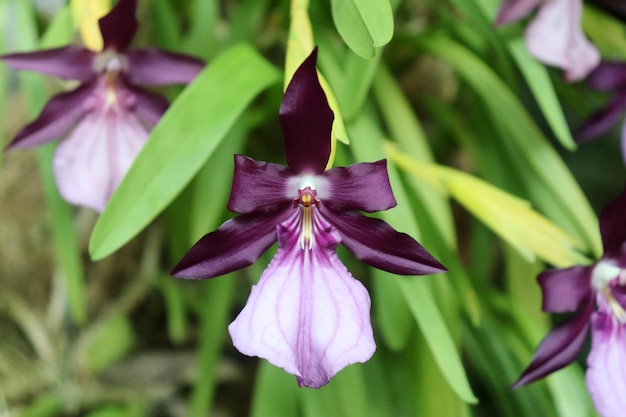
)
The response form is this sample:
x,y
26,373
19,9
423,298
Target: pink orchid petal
x,y
307,314
555,37
606,373
90,163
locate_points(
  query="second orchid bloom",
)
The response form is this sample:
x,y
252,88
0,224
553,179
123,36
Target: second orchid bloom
x,y
307,314
597,293
554,36
106,120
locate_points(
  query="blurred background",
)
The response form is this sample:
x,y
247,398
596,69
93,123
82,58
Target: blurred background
x,y
470,123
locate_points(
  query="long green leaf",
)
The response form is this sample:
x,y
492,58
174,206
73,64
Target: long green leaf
x,y
184,139
561,197
363,24
539,82
424,310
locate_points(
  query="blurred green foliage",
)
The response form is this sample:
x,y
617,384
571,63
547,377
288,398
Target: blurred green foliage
x,y
449,92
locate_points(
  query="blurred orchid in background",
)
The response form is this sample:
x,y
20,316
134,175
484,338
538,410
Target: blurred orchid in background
x,y
609,76
106,120
307,314
598,293
554,36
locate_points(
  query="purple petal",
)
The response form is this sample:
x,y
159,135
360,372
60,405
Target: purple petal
x,y
306,120
363,186
565,289
119,26
69,63
376,243
559,348
307,314
259,186
613,227
608,76
91,162
149,106
236,244
603,120
512,10
156,67
56,118
555,37
606,372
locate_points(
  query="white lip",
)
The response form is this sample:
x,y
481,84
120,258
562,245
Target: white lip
x,y
319,184
603,273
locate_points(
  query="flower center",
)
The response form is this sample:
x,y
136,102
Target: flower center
x,y
306,200
610,282
110,62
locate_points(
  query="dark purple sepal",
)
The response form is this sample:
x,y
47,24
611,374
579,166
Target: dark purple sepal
x,y
155,67
602,121
69,62
306,120
56,118
258,186
560,347
119,26
608,76
237,244
613,228
564,290
513,10
377,244
364,186
149,106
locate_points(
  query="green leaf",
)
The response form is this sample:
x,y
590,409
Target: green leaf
x,y
394,317
275,392
359,74
47,405
538,80
555,189
180,144
214,319
605,31
416,291
363,24
107,342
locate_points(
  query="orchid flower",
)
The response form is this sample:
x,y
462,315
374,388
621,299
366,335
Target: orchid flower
x,y
609,76
555,36
106,120
598,294
307,314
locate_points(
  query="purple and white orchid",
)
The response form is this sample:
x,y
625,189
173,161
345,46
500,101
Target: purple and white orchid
x,y
106,120
597,293
307,314
555,36
609,76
